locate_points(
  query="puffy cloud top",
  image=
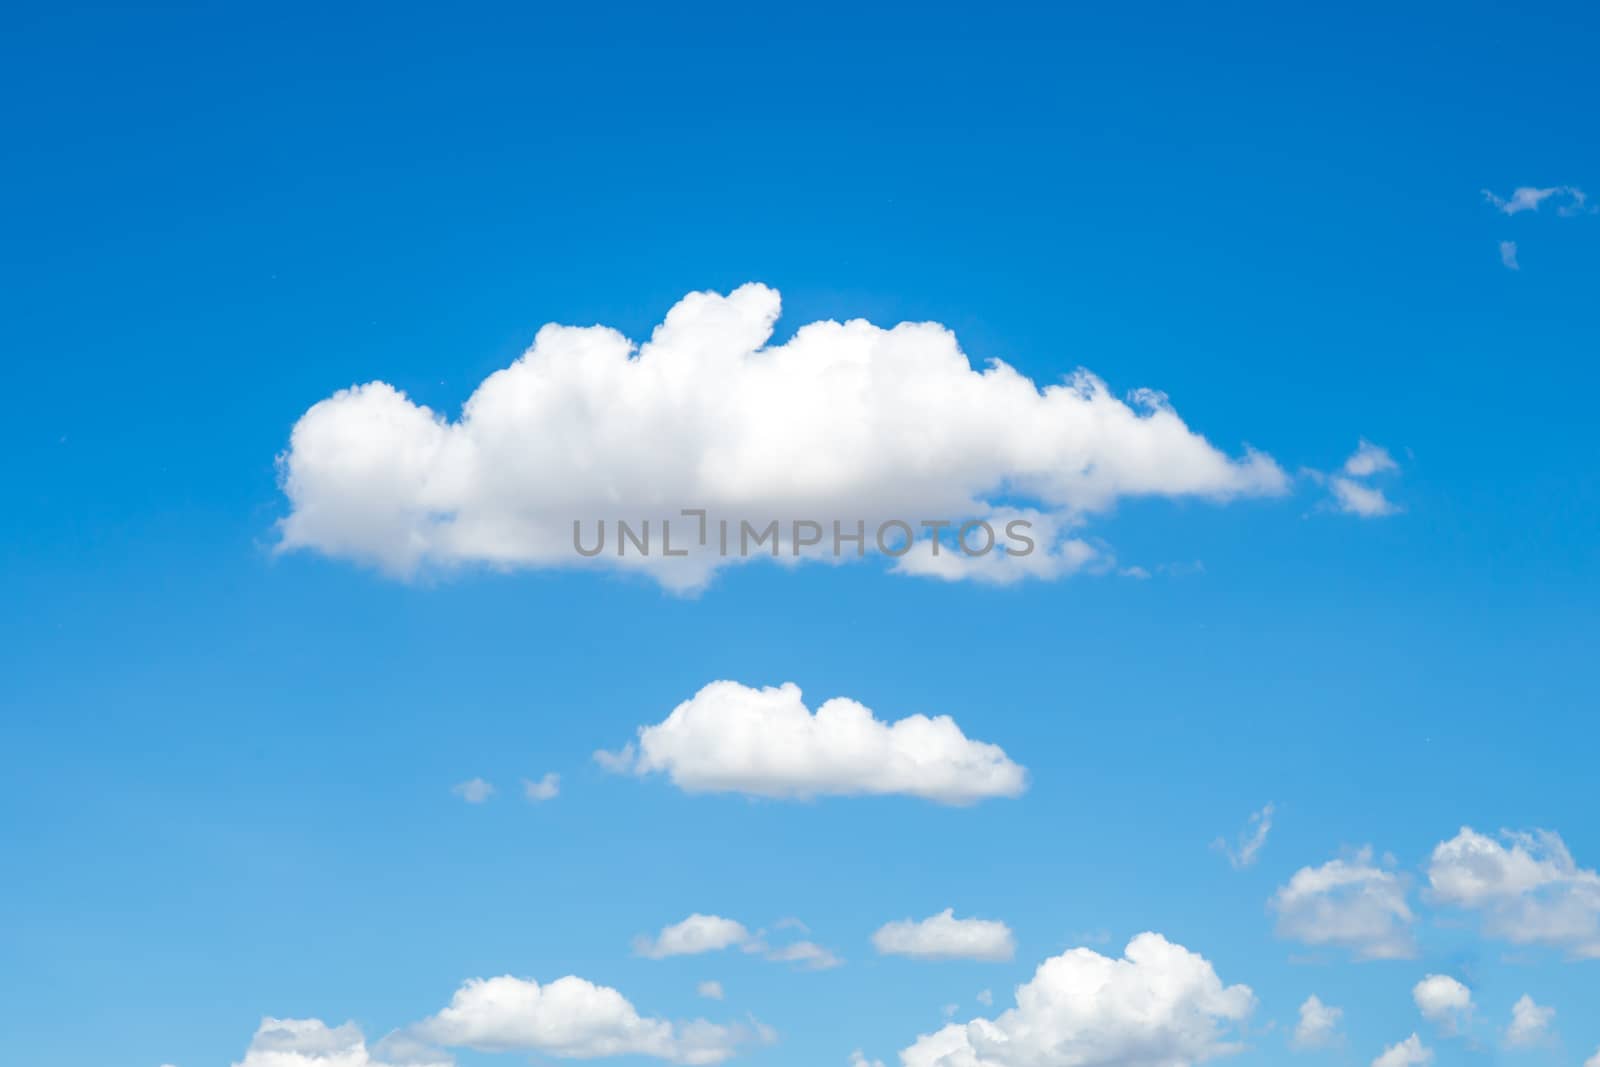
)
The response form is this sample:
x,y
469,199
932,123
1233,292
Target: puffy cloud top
x,y
945,937
1530,1023
1351,903
1442,999
571,1018
1160,1005
1527,885
765,742
844,421
1408,1053
313,1043
694,935
1319,1024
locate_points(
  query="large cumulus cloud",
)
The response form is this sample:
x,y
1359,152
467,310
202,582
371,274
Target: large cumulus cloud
x,y
845,421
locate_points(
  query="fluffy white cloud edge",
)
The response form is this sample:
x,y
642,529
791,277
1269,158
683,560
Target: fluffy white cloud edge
x,y
1408,1053
1526,886
1158,1005
693,936
945,937
1443,1000
1349,903
731,738
843,422
1318,1025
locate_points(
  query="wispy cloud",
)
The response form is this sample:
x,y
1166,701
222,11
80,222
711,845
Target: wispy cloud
x,y
473,790
1250,841
1508,255
546,788
1568,199
1350,486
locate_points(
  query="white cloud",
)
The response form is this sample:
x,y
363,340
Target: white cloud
x,y
1319,1024
546,788
1054,555
1369,459
693,936
1527,886
857,1059
730,738
1251,840
570,1018
807,955
1409,1053
1528,198
1353,498
1593,1061
1160,1005
1443,1000
945,937
711,990
985,997
473,790
1350,903
712,933
1351,487
1508,255
843,422
1530,1023
313,1043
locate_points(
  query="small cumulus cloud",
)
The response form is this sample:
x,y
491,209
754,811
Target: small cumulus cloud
x,y
805,955
313,1043
945,937
1319,1024
693,936
473,790
546,788
1351,903
731,738
699,934
1443,1000
1526,886
571,1018
1408,1053
1351,489
1530,1023
1159,1005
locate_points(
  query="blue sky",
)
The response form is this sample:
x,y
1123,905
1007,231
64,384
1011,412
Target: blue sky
x,y
229,769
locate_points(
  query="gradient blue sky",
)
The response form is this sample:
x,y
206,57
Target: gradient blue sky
x,y
227,773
